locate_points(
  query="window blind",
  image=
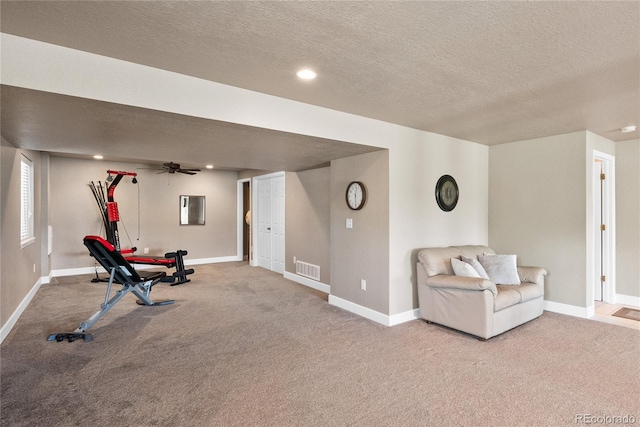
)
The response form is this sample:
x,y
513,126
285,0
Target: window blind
x,y
26,195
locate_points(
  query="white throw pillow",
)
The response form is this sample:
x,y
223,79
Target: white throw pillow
x,y
502,269
476,264
461,268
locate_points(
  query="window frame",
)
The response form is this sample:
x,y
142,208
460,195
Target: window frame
x,y
27,202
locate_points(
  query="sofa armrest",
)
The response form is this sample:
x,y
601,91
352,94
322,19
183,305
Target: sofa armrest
x,y
462,283
532,274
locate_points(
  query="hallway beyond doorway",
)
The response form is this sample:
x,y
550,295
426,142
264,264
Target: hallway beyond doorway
x,y
604,313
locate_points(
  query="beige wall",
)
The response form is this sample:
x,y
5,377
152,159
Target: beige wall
x,y
75,212
45,213
415,165
537,210
307,220
20,268
540,199
628,218
363,251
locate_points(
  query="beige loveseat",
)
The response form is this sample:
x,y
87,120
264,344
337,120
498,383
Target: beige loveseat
x,y
472,304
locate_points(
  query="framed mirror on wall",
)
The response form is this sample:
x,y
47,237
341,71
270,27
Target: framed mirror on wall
x,y
192,210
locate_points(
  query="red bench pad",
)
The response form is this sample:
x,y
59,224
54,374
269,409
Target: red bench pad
x,y
152,260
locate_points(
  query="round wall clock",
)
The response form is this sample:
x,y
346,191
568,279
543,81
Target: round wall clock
x,y
447,193
356,195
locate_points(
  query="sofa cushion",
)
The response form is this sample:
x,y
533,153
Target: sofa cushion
x,y
438,260
472,251
529,291
507,296
461,268
532,274
446,281
476,265
502,269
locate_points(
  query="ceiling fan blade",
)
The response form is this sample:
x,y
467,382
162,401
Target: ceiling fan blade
x,y
171,167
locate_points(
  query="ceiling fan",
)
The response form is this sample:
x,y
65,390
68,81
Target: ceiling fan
x,y
175,167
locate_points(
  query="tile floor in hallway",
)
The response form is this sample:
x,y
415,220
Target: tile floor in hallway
x,y
604,311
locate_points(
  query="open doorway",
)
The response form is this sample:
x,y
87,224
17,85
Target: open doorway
x,y
603,214
244,220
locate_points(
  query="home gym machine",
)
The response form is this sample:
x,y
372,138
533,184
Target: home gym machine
x,y
120,272
110,217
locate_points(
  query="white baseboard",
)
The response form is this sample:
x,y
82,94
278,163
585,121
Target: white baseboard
x,y
407,316
365,312
370,314
570,310
44,280
627,300
587,312
92,270
76,271
214,260
308,282
10,323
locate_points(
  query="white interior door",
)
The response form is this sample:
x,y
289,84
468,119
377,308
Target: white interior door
x,y
604,241
271,230
264,223
277,224
597,232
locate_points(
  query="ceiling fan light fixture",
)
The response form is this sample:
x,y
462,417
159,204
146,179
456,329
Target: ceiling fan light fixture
x,y
175,167
628,129
306,74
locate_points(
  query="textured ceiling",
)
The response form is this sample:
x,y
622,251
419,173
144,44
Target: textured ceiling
x,y
70,125
489,72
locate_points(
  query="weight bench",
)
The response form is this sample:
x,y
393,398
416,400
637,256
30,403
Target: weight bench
x,y
120,272
170,260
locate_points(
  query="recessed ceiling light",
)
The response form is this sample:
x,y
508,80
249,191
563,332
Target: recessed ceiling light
x,y
306,74
209,166
98,157
628,129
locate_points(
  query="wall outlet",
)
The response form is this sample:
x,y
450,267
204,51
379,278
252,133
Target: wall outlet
x,y
363,284
34,268
146,250
295,260
349,223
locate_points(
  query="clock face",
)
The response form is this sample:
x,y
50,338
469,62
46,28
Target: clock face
x,y
356,195
447,193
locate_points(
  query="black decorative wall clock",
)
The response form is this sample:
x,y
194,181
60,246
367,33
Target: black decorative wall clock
x,y
356,195
447,193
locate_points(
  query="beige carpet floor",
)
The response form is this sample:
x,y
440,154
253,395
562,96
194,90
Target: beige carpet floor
x,y
244,347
